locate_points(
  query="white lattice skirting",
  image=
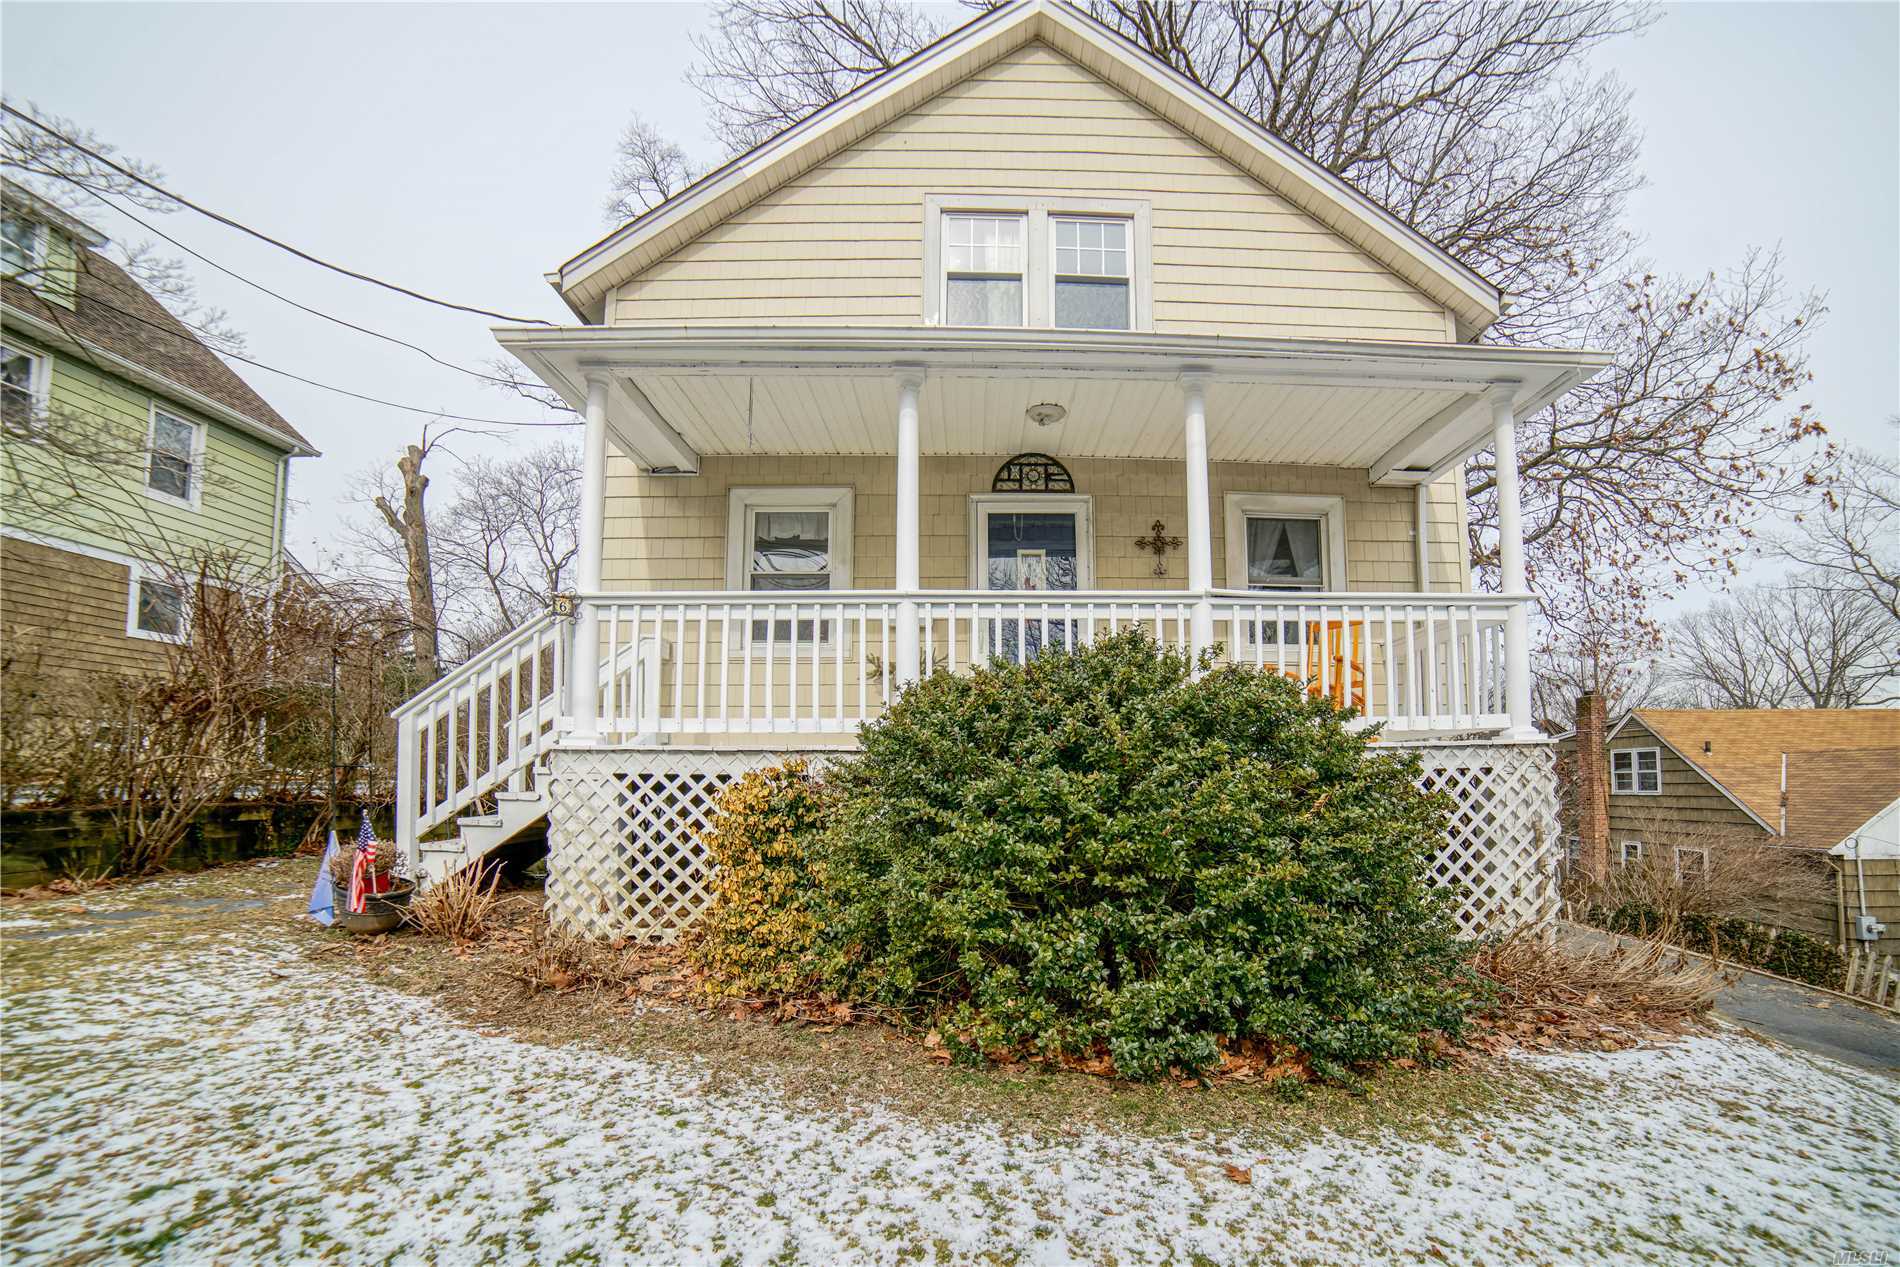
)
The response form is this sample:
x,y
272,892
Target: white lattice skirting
x,y
625,860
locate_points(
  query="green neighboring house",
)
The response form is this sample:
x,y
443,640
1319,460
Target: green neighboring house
x,y
130,452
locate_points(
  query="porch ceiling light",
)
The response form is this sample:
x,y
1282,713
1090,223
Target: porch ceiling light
x,y
1046,415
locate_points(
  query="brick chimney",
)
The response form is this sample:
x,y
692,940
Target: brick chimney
x,y
1593,787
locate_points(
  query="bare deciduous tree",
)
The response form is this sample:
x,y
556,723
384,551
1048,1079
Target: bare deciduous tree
x,y
1808,643
498,550
766,64
648,169
1853,539
507,542
410,528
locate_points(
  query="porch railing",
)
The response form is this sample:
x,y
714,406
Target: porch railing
x,y
751,664
726,665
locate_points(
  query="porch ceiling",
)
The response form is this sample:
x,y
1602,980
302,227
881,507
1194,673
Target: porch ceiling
x,y
1403,412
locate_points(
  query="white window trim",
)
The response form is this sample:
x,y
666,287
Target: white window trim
x,y
1039,284
1330,511
1697,850
137,572
35,270
198,429
1635,787
1628,851
40,385
1082,505
742,502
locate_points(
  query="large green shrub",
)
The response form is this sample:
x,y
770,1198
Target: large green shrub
x,y
1101,852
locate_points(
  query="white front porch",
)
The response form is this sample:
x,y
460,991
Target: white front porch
x,y
737,668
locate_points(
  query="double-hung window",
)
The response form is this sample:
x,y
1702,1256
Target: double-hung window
x,y
1093,289
1636,771
985,267
794,542
22,246
1692,863
20,386
172,472
1629,851
1042,263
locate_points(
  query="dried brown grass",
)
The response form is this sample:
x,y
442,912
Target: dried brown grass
x,y
458,906
1608,995
563,962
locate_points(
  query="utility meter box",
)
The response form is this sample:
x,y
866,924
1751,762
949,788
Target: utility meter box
x,y
1867,928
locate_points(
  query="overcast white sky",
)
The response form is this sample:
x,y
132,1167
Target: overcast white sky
x,y
463,150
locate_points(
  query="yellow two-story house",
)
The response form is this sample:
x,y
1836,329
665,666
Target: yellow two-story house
x,y
1027,339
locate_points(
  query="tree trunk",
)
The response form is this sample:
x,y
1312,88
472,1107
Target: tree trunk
x,y
412,525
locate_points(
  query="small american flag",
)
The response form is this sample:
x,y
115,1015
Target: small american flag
x,y
361,868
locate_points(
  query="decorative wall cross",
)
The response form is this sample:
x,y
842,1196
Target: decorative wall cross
x,y
1158,543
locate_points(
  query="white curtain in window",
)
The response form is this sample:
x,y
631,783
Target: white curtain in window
x,y
1283,552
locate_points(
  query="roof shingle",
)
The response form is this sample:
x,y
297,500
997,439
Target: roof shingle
x,y
1843,763
114,313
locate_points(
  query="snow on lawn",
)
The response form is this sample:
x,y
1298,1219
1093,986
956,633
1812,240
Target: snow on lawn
x,y
218,1097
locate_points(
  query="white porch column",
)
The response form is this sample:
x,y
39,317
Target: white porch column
x,y
1511,577
1422,536
583,662
1200,519
910,382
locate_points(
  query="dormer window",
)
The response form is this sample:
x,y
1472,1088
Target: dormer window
x,y
22,246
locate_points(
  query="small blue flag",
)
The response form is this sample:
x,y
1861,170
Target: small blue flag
x,y
323,896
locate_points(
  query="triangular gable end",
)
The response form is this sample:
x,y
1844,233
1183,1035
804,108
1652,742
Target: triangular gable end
x,y
586,280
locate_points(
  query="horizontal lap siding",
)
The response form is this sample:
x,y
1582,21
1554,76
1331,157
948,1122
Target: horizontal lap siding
x,y
65,613
237,508
669,533
843,244
1688,807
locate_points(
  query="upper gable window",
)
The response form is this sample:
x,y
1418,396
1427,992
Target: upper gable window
x,y
1636,770
984,268
22,246
1042,263
1092,277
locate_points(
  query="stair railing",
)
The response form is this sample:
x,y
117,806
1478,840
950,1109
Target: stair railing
x,y
480,729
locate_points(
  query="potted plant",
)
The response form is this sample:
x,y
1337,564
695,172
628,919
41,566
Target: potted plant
x,y
386,887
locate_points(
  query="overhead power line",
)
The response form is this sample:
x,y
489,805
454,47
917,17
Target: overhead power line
x,y
330,387
301,307
261,236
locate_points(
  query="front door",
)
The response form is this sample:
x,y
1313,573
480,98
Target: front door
x,y
1040,545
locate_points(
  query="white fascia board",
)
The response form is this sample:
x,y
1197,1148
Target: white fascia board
x,y
60,341
1462,367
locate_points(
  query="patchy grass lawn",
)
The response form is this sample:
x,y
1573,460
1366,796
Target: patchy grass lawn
x,y
192,1074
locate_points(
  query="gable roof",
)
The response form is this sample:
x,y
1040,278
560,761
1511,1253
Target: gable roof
x,y
585,280
114,316
1843,763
